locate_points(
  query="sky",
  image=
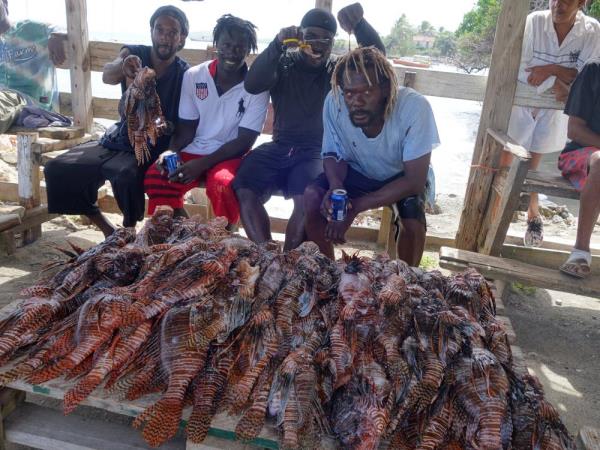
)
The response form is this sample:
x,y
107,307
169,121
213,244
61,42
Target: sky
x,y
131,16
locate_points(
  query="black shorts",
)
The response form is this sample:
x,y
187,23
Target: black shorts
x,y
274,166
357,185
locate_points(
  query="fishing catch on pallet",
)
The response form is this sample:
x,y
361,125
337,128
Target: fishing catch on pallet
x,y
367,350
140,107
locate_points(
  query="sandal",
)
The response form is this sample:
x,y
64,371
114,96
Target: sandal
x,y
534,236
578,264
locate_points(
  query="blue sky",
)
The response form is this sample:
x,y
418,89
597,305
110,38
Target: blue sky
x,y
127,16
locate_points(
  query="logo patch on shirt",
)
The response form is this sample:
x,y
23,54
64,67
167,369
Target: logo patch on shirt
x,y
201,90
574,56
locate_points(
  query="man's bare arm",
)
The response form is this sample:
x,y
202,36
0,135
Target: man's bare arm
x,y
112,73
412,183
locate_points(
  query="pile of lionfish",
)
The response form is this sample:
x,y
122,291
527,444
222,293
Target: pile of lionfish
x,y
370,351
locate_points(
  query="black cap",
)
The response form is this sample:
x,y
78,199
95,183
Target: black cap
x,y
319,18
175,13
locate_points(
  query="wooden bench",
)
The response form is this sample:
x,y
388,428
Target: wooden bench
x,y
31,146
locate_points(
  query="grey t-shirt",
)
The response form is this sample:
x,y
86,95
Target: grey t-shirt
x,y
409,133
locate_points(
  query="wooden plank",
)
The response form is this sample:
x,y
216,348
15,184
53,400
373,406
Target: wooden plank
x,y
502,205
222,426
589,438
33,218
51,132
387,217
515,271
549,184
527,95
46,145
105,108
542,257
40,427
8,221
13,209
80,69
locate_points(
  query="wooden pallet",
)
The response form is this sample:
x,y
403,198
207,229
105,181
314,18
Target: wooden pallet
x,y
19,431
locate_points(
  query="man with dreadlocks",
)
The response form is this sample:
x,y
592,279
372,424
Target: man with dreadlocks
x,y
377,146
73,178
218,122
298,83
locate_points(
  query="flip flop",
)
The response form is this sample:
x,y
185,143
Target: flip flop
x,y
577,265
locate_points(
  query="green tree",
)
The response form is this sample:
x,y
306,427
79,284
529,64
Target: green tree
x,y
426,29
400,40
475,36
594,9
445,44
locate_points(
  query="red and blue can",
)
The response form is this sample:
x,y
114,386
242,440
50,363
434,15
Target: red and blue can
x,y
171,161
339,205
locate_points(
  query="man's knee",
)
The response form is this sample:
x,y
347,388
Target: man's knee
x,y
313,196
52,169
594,164
245,195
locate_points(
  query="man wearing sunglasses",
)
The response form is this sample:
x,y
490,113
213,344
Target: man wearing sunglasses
x,y
298,83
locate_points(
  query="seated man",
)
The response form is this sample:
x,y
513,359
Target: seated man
x,y
27,60
377,146
218,122
556,44
73,179
298,83
579,162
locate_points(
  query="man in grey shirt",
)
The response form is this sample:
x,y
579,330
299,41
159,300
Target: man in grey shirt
x,y
377,145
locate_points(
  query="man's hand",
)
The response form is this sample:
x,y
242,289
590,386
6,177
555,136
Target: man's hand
x,y
336,231
160,163
561,91
349,16
539,74
292,32
131,65
190,171
56,49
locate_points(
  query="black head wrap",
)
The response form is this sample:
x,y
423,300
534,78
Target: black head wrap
x,y
319,18
175,13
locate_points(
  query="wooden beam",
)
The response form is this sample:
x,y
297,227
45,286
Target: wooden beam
x,y
495,114
514,271
504,67
589,438
478,192
324,4
81,80
506,189
28,168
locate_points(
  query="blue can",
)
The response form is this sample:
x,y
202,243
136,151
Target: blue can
x,y
171,161
339,205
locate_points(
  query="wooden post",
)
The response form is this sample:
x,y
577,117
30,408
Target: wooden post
x,y
81,81
324,4
28,169
497,106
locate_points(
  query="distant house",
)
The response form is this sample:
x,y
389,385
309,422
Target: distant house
x,y
423,41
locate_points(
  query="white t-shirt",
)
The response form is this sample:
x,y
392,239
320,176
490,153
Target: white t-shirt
x,y
540,43
220,116
409,133
546,131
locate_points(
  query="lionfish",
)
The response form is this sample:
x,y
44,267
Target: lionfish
x,y
140,107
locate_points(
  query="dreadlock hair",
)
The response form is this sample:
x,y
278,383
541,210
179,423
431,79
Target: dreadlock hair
x,y
227,23
360,60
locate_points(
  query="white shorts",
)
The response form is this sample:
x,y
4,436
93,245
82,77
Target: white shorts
x,y
538,130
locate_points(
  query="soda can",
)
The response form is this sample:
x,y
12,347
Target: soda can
x,y
171,161
339,205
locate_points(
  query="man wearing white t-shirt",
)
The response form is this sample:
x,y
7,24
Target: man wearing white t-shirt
x,y
556,44
219,122
377,145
